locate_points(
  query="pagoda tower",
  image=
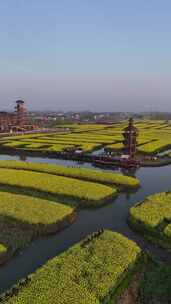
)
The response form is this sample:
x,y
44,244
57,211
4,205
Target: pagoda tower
x,y
21,113
130,135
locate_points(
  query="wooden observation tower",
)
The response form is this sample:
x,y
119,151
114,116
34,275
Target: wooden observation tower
x,y
130,135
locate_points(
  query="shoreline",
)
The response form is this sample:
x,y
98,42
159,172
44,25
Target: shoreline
x,y
88,158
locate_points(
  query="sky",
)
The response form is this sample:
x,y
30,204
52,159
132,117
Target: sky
x,y
99,55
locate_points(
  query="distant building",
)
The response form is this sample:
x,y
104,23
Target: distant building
x,y
16,121
76,116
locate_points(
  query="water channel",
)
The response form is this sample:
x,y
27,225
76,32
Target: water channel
x,y
112,216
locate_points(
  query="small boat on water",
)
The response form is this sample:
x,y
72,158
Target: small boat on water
x,y
127,162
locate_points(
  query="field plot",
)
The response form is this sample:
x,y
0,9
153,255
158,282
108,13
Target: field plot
x,y
59,187
152,218
78,136
112,179
154,137
23,218
94,271
38,199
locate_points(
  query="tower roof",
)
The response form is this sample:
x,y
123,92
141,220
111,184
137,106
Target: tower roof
x,y
131,126
20,101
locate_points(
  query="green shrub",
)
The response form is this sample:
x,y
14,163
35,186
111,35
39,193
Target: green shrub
x,y
3,249
156,285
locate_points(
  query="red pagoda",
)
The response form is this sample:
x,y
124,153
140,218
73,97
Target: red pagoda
x,y
130,135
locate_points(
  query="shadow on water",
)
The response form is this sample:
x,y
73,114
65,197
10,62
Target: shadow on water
x,y
113,216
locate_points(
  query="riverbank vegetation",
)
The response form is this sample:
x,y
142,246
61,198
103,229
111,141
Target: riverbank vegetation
x,y
95,271
113,179
152,218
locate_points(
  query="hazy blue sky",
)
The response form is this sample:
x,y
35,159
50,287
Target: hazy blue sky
x,y
86,54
